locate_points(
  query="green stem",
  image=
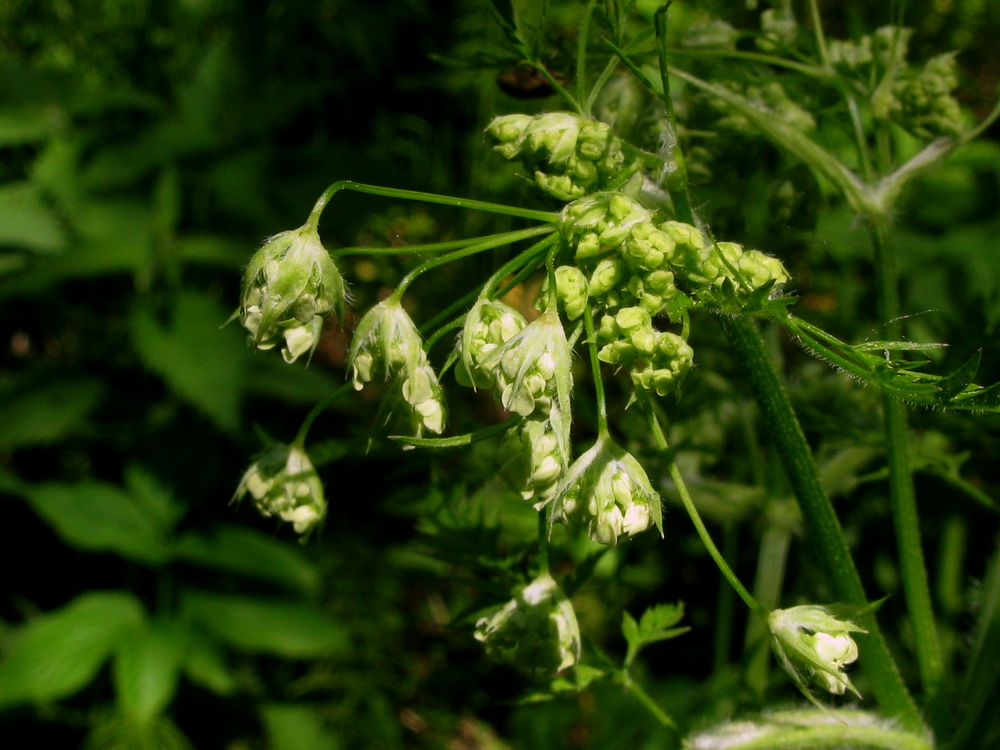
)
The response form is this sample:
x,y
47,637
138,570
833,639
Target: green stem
x,y
822,526
581,58
912,568
502,238
300,438
640,694
543,541
661,443
833,737
415,195
595,369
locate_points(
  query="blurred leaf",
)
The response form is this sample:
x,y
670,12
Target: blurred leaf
x,y
101,517
202,363
20,125
656,624
204,664
295,727
153,497
146,669
295,630
248,552
46,412
115,731
58,653
26,221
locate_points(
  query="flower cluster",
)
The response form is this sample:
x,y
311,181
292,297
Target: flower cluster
x,y
814,646
569,156
608,490
386,341
924,102
289,286
536,630
283,483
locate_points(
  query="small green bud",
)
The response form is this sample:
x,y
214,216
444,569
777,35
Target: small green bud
x,y
488,325
814,646
924,103
606,277
283,483
536,630
571,289
289,286
607,489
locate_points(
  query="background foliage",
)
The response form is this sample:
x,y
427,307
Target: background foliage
x,y
147,148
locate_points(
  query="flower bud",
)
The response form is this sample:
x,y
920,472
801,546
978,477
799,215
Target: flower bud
x,y
607,489
289,286
283,483
571,288
487,325
531,460
814,646
387,341
536,630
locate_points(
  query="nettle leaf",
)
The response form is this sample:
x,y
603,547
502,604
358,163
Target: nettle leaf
x,y
102,517
200,362
147,668
249,552
58,653
295,630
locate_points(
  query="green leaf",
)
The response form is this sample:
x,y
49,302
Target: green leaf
x,y
200,362
295,630
957,382
248,552
117,731
101,517
295,727
45,412
147,667
26,221
204,664
58,653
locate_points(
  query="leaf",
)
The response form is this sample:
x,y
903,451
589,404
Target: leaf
x,y
295,727
295,630
204,664
116,731
248,552
26,221
147,667
45,412
953,384
656,624
101,517
200,362
58,653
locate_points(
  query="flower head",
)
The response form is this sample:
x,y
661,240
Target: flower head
x,y
814,646
607,489
488,325
536,630
531,460
289,286
283,483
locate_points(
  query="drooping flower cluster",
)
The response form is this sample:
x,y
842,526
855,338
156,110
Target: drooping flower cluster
x,y
814,646
386,341
283,483
536,630
568,156
289,286
608,490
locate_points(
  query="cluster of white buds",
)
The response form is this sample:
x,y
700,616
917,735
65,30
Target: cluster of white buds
x,y
488,325
569,156
536,630
814,646
532,460
283,483
608,491
387,341
289,286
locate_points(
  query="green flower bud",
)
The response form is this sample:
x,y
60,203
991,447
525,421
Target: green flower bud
x,y
289,286
814,646
571,288
531,460
536,630
607,489
386,340
569,156
283,483
487,325
606,277
924,103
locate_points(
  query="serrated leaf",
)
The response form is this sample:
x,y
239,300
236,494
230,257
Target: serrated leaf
x,y
56,654
248,552
296,630
202,363
100,517
147,667
659,617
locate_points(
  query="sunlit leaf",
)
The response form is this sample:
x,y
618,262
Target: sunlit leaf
x,y
146,669
55,655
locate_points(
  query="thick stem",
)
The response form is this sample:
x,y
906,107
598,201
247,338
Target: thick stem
x,y
822,526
